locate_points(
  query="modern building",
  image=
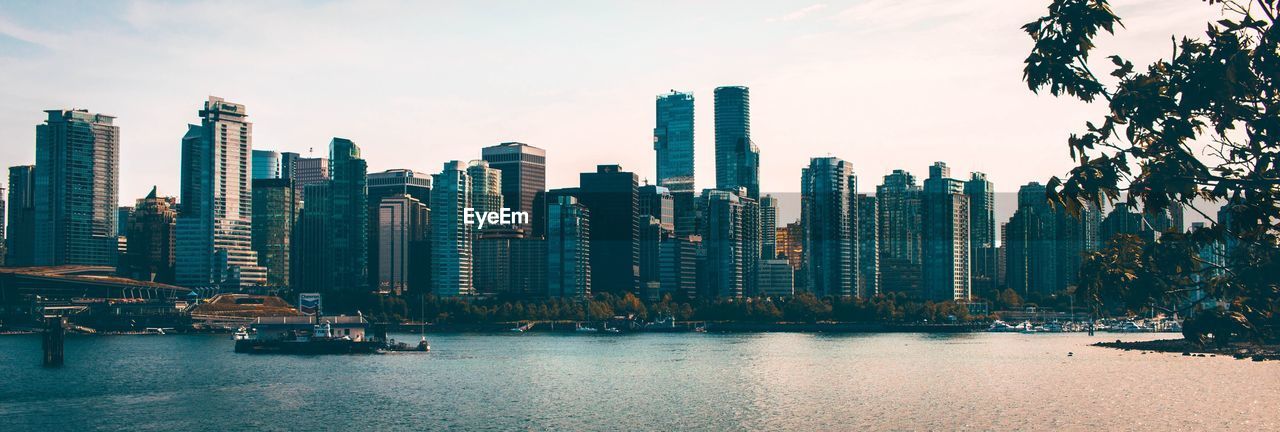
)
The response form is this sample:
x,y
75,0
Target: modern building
x,y
868,283
945,247
829,215
311,242
149,252
451,253
659,253
267,164
790,244
309,171
722,271
390,183
348,216
768,227
673,141
2,226
486,187
898,207
20,238
276,206
524,179
737,157
289,165
611,195
982,231
777,278
76,189
1044,245
568,248
214,226
402,242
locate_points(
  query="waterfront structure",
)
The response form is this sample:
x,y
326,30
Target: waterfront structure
x,y
829,215
568,248
276,206
309,171
737,157
722,271
868,228
267,164
898,208
20,238
777,278
214,227
1044,245
76,189
768,227
451,258
945,246
149,253
390,183
673,141
402,235
982,232
524,179
612,197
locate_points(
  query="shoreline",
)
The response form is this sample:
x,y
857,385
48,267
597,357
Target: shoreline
x,y
1238,351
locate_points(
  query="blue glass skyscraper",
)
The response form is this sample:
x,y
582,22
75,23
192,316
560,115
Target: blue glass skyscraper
x,y
737,157
673,141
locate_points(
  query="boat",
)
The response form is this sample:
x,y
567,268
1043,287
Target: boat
x,y
582,329
307,335
401,347
1026,327
1129,327
1001,327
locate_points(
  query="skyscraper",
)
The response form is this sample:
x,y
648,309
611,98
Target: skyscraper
x,y
568,248
829,214
868,283
722,272
945,222
289,165
898,207
76,189
402,227
2,226
524,178
611,195
214,228
486,187
658,249
309,171
1044,245
982,231
673,141
768,227
149,253
390,183
276,206
348,215
267,164
737,157
450,236
20,241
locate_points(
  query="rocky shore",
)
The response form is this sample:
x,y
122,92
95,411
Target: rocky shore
x,y
1238,351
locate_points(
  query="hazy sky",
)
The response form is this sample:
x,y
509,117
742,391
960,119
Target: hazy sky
x,y
883,83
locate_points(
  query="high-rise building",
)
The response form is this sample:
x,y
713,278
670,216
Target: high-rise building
x,y
309,171
777,278
348,216
673,141
2,226
402,229
508,263
76,189
149,252
524,179
791,245
982,231
659,251
829,214
1044,245
276,206
289,165
390,183
737,157
451,238
945,222
311,242
267,164
722,271
612,197
486,187
868,283
20,241
214,228
568,248
898,206
768,227
123,213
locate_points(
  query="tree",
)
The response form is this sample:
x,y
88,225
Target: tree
x,y
1221,93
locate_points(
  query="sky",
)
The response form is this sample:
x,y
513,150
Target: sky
x,y
884,84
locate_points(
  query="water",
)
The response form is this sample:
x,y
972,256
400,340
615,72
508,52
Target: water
x,y
638,382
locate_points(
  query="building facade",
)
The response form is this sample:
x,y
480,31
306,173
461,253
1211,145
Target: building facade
x,y
829,215
402,229
611,194
868,283
276,206
149,252
982,232
267,164
451,253
673,141
20,238
737,157
945,247
568,248
76,189
524,179
898,207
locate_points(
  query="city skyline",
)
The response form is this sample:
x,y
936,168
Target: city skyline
x,y
442,118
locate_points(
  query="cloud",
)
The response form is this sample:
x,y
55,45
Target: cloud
x,y
798,14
